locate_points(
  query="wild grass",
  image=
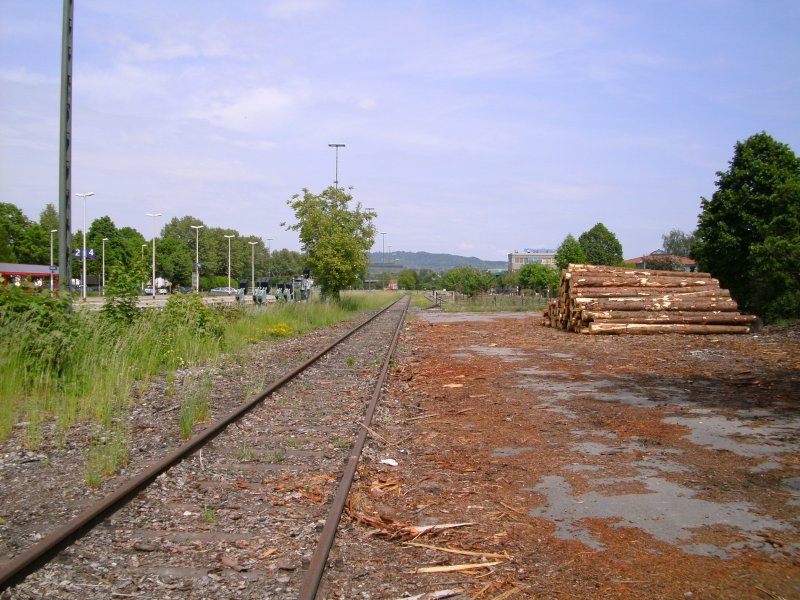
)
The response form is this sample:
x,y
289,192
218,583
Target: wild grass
x,y
488,303
71,367
194,406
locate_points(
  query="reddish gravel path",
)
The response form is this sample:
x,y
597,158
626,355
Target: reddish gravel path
x,y
589,467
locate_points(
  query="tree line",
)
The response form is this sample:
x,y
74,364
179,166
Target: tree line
x,y
23,240
747,236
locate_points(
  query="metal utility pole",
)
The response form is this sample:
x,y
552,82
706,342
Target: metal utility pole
x,y
153,285
65,154
197,229
252,266
229,260
336,146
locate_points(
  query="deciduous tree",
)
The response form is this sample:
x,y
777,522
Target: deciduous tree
x,y
600,246
748,233
539,278
569,252
334,237
677,243
467,280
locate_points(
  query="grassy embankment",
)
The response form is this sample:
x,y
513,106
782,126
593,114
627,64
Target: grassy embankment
x,y
63,368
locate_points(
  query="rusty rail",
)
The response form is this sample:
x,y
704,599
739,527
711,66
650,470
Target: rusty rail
x,y
317,567
37,555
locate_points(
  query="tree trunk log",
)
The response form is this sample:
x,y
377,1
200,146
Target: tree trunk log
x,y
629,271
694,305
651,328
584,281
666,318
621,292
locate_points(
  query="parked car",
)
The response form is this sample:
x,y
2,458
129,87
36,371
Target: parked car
x,y
148,291
162,290
223,290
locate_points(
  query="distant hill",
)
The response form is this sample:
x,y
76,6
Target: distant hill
x,y
427,260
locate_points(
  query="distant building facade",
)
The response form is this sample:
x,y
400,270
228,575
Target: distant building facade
x,y
659,256
538,256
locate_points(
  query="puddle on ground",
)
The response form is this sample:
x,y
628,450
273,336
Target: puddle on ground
x,y
510,354
669,513
501,452
740,437
602,390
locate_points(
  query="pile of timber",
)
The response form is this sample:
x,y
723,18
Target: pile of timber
x,y
597,299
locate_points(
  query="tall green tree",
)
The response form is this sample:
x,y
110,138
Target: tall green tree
x,y
600,246
677,243
334,237
748,233
570,252
407,279
13,225
48,218
539,278
285,263
467,280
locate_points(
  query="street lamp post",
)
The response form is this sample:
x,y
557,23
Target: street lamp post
x,y
336,146
229,259
153,281
252,266
142,263
269,254
197,229
103,280
383,258
83,256
52,231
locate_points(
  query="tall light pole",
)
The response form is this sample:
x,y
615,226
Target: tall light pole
x,y
83,255
52,231
336,146
197,229
229,259
153,282
103,280
252,266
143,247
269,254
383,258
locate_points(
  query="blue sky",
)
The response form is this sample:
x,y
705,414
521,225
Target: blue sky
x,y
471,127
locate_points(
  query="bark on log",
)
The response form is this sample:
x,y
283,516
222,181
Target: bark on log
x,y
651,328
584,281
628,271
694,305
646,300
621,292
640,316
708,319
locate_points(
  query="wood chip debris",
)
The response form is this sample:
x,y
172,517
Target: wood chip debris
x,y
458,568
458,551
434,595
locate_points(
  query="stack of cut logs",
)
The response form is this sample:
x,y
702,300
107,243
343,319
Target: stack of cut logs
x,y
601,300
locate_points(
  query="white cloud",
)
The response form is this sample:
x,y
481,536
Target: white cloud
x,y
256,108
293,9
21,75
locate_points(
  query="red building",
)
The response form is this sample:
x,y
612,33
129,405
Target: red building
x,y
28,276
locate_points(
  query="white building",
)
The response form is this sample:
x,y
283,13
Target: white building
x,y
540,256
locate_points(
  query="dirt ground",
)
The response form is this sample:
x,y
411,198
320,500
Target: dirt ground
x,y
578,466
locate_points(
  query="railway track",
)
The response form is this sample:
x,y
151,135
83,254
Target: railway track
x,y
248,508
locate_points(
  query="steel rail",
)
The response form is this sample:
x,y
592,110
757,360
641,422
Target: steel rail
x,y
317,566
37,555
